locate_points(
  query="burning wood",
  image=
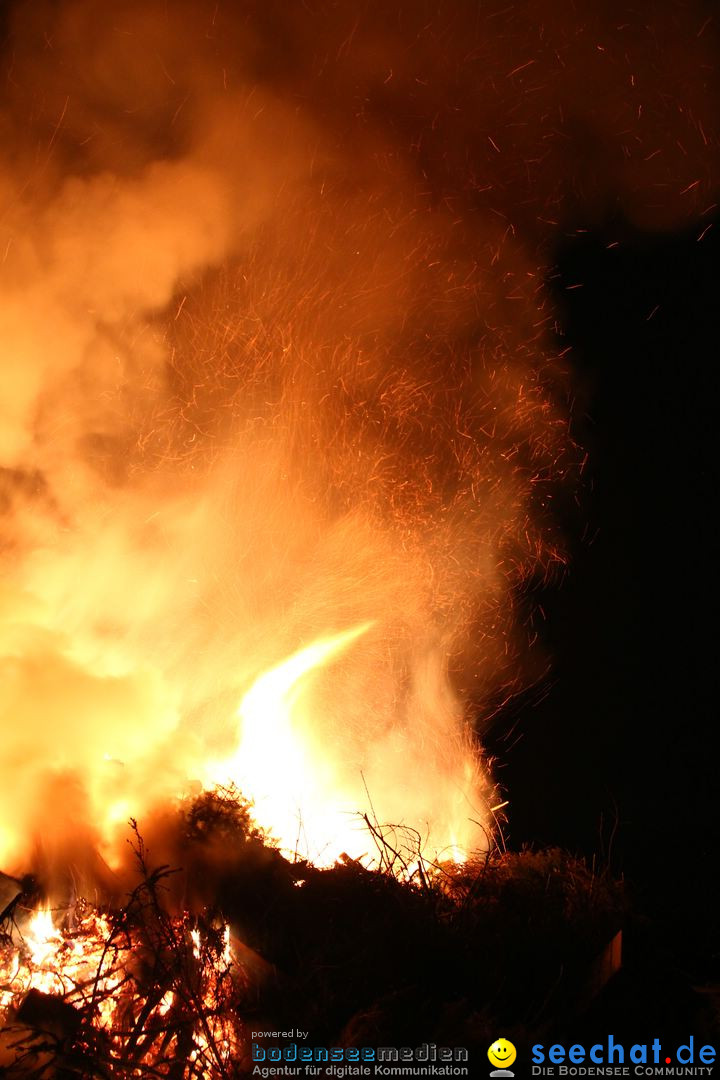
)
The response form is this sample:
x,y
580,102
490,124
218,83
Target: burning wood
x,y
138,991
134,991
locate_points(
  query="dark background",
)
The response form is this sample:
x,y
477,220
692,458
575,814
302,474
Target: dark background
x,y
618,760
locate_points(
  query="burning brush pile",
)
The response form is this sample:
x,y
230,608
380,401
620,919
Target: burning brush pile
x,y
284,422
133,992
357,956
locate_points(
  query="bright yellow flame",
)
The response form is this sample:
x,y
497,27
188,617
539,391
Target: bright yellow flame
x,y
43,937
293,784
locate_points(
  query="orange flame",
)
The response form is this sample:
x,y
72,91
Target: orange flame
x,y
89,968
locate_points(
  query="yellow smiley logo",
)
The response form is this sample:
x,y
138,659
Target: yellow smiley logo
x,y
502,1053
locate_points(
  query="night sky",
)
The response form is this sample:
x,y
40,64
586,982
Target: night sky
x,y
619,757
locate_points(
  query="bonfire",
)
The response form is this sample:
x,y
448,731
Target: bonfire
x,y
285,418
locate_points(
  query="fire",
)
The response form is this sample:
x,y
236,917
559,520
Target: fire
x,y
112,1013
42,938
292,783
52,962
281,423
313,801
278,355
301,795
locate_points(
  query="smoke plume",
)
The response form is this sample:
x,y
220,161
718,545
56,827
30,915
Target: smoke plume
x,y
278,362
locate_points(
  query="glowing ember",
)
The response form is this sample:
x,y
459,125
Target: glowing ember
x,y
64,964
178,1010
